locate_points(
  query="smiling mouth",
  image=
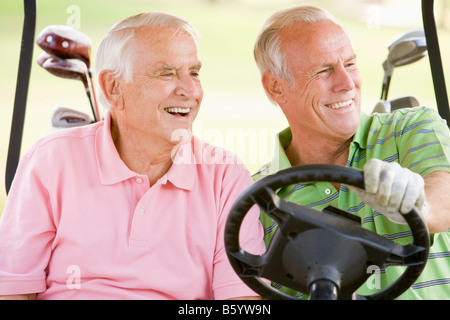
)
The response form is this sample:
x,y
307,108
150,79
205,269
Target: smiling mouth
x,y
178,111
339,105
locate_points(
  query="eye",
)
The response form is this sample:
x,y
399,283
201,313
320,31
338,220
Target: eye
x,y
350,64
324,71
195,74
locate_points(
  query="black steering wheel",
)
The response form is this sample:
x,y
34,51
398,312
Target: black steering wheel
x,y
324,254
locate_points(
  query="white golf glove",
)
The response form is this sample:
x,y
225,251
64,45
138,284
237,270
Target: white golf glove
x,y
392,190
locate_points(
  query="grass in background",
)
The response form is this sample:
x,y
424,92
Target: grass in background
x,y
235,109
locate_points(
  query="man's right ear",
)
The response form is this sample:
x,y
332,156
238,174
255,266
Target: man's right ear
x,y
110,87
273,86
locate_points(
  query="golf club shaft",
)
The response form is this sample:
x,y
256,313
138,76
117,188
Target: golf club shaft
x,y
91,102
96,111
385,88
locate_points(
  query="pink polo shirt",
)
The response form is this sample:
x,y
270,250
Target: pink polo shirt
x,y
78,224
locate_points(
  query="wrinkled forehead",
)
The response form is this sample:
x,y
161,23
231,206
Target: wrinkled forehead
x,y
313,34
162,34
316,41
164,46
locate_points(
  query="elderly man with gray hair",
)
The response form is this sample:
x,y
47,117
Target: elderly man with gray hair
x,y
309,68
130,207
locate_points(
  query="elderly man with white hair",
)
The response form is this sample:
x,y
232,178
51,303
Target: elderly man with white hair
x,y
132,207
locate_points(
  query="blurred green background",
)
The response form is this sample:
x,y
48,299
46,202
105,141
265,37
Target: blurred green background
x,y
235,112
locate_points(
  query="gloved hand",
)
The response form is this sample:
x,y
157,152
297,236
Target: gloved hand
x,y
392,190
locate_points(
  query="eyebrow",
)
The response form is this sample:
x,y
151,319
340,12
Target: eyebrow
x,y
353,57
165,66
331,64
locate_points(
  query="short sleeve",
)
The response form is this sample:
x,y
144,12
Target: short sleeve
x,y
424,145
26,231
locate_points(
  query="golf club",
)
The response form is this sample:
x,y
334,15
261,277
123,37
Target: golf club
x,y
69,43
63,117
68,69
405,49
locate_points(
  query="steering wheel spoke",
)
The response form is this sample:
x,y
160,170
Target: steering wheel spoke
x,y
270,203
288,215
409,255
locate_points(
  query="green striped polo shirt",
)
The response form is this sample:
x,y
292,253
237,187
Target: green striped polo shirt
x,y
417,139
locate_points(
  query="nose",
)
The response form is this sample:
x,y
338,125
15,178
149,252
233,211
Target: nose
x,y
189,87
344,80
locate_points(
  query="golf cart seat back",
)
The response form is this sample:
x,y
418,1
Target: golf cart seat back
x,y
388,106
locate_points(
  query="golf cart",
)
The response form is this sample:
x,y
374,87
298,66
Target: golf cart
x,y
326,254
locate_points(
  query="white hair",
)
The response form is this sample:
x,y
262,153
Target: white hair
x,y
115,52
267,50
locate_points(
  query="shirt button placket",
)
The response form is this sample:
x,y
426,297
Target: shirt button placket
x,y
140,221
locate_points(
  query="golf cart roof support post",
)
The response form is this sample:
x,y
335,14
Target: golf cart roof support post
x,y
440,89
20,101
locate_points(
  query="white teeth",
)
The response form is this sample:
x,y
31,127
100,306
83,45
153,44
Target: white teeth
x,y
178,110
339,104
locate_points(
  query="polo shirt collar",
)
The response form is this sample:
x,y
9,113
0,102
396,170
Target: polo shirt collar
x,y
110,166
363,130
182,173
280,160
113,170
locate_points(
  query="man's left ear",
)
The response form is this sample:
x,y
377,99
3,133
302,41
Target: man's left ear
x,y
273,86
110,86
